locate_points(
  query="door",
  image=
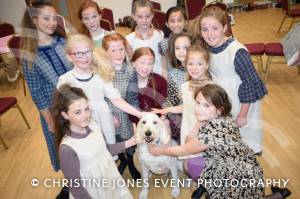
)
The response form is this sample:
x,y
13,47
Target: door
x,y
68,9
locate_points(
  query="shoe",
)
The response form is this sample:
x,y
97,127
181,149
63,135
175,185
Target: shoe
x,y
198,192
64,193
284,192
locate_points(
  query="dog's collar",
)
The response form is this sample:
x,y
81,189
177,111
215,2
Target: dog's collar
x,y
158,141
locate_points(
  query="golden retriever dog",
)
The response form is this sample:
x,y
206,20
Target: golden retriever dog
x,y
152,130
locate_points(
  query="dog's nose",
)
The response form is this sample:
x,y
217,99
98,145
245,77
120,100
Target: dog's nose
x,y
148,133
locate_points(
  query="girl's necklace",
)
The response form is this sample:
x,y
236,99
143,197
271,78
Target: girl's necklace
x,y
199,83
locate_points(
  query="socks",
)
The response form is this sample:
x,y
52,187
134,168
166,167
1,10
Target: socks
x,y
198,192
132,169
123,164
64,193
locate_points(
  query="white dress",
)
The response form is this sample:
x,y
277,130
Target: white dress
x,y
95,89
151,43
222,70
188,115
96,163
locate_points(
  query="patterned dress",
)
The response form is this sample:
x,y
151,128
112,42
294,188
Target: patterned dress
x,y
163,45
174,119
121,82
229,157
41,78
177,77
163,48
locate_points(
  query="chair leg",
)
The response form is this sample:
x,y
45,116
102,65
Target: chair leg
x,y
281,23
259,63
23,116
293,21
3,143
267,68
24,84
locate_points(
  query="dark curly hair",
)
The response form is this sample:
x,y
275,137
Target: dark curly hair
x,y
216,96
63,98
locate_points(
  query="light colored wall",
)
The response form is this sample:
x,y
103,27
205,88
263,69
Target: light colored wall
x,y
12,11
122,8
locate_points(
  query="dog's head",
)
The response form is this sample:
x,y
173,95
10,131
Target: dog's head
x,y
152,130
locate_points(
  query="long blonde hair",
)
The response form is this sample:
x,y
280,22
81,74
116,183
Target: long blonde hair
x,y
101,63
29,36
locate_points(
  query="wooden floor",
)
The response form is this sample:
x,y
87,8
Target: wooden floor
x,y
27,156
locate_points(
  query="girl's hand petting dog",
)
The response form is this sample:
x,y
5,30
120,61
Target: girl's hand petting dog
x,y
156,150
142,113
163,111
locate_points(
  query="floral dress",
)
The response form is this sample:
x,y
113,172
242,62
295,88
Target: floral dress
x,y
177,77
229,157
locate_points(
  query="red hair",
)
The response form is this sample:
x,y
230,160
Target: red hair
x,y
113,37
85,5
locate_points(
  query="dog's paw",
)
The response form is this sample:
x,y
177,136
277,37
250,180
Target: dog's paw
x,y
175,192
143,194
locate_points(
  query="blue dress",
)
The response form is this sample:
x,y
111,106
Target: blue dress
x,y
50,62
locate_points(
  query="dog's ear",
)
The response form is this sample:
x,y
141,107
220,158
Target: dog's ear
x,y
165,134
138,137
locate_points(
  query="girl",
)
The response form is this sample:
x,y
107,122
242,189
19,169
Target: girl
x,y
177,76
115,45
227,156
90,14
231,67
82,150
43,61
93,73
176,20
197,68
152,88
177,55
145,35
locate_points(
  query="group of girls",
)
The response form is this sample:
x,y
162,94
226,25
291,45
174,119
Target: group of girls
x,y
109,87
